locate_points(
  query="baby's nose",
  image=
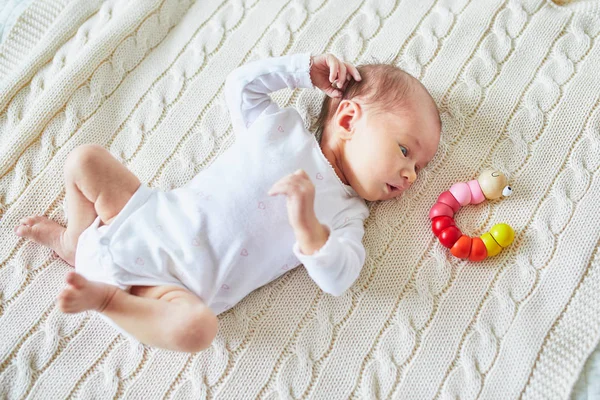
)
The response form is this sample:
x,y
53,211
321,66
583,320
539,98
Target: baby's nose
x,y
409,176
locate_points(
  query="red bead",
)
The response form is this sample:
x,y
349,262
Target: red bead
x,y
448,199
478,250
462,247
440,209
440,223
449,236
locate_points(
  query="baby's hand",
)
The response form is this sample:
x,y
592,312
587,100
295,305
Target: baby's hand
x,y
330,74
300,192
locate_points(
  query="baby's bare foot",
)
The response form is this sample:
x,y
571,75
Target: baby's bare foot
x,y
50,234
81,294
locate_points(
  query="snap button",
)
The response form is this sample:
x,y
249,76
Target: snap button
x,y
104,240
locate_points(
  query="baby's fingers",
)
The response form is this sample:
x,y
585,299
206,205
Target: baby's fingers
x,y
301,173
350,72
331,92
354,72
289,184
333,63
341,78
280,187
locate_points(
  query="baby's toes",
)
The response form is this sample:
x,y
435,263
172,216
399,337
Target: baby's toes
x,y
75,279
27,224
31,220
23,230
79,295
67,300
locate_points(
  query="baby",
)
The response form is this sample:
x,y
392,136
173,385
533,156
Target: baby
x,y
160,266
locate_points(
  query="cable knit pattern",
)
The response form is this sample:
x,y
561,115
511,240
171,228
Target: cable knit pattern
x,y
518,88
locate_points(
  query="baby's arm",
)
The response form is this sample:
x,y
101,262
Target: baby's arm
x,y
337,264
333,258
247,88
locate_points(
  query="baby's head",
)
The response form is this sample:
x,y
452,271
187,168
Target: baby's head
x,y
381,132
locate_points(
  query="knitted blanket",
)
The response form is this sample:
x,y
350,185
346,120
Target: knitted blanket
x,y
518,87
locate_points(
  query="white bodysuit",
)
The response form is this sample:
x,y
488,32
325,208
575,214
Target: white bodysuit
x,y
221,235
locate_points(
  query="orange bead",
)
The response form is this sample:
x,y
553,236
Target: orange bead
x,y
462,247
478,250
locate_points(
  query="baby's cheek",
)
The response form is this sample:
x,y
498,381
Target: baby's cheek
x,y
385,166
362,164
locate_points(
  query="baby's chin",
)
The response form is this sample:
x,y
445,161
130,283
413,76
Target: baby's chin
x,y
380,195
366,195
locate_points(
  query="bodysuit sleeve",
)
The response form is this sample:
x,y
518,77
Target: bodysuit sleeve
x,y
336,265
247,88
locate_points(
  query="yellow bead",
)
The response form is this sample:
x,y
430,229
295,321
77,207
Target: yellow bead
x,y
492,247
503,234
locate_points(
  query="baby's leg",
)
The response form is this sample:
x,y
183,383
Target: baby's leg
x,y
96,184
168,317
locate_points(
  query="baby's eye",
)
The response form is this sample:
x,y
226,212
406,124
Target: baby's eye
x,y
404,150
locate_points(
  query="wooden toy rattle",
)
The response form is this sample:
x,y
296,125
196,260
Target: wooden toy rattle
x,y
489,185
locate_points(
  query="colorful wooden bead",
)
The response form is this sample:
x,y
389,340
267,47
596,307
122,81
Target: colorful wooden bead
x,y
462,247
476,192
449,236
448,199
491,245
489,185
461,192
438,224
478,250
440,209
503,234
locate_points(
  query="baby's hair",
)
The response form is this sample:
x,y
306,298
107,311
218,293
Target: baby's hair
x,y
384,87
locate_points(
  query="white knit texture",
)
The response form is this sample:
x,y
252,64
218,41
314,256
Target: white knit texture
x,y
518,87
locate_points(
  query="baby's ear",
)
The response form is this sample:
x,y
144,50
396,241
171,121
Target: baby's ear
x,y
345,117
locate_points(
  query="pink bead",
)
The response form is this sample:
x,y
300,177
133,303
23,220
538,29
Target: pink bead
x,y
440,209
448,198
476,193
461,193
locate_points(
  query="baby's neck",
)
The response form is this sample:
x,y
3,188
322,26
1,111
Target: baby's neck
x,y
333,154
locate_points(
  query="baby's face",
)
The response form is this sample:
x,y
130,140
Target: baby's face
x,y
388,150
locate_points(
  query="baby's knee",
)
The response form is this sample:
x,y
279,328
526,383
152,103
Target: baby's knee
x,y
83,157
197,331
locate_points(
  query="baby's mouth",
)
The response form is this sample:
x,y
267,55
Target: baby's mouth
x,y
391,188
